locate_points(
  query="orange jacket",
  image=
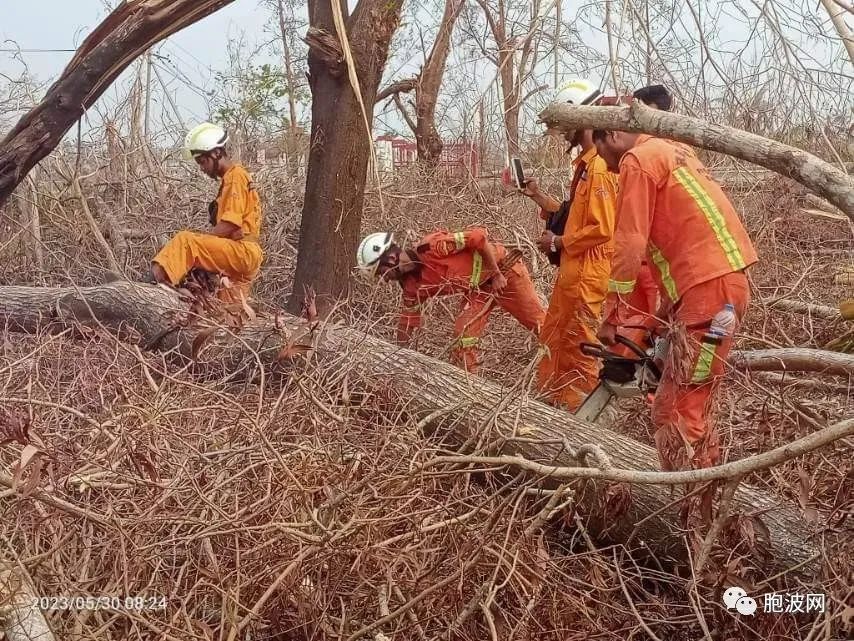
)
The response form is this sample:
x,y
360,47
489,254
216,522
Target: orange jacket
x,y
238,202
672,211
450,264
590,224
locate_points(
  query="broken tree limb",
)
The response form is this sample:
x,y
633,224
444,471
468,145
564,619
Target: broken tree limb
x,y
817,175
794,359
125,34
150,316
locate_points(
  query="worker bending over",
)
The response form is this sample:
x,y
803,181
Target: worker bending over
x,y
445,263
671,211
231,248
579,239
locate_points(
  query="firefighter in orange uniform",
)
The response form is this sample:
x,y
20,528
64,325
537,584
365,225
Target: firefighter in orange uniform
x,y
445,263
671,211
578,238
231,248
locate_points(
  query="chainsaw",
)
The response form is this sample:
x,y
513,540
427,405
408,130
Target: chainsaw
x,y
627,373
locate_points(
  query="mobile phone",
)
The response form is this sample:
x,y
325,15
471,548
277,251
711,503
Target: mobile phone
x,y
518,174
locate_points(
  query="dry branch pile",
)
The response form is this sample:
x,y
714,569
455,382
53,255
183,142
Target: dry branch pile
x,y
265,513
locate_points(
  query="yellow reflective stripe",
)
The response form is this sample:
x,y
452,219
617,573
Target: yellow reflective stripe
x,y
621,286
664,269
713,215
460,239
468,341
412,308
476,270
703,368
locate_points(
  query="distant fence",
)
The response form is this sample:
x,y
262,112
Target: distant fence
x,y
458,159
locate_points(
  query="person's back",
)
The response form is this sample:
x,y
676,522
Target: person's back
x,y
238,202
695,232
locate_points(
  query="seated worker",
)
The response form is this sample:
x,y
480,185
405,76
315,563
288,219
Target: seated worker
x,y
231,248
445,263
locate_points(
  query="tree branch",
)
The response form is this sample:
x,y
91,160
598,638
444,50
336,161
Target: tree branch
x,y
727,471
821,177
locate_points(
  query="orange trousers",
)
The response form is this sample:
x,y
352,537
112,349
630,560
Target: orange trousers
x,y
682,410
519,299
566,375
238,259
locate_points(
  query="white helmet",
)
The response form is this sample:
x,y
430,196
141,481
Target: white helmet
x,y
371,249
202,139
579,91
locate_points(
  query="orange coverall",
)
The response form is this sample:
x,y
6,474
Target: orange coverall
x,y
671,210
566,375
451,263
240,260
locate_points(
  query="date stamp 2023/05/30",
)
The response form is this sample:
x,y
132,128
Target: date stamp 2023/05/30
x,y
135,603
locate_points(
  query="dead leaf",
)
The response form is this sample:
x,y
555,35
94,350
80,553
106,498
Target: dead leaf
x,y
289,351
30,455
33,480
201,338
250,313
14,427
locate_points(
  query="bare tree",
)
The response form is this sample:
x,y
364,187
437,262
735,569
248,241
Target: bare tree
x,y
515,55
341,139
427,86
125,34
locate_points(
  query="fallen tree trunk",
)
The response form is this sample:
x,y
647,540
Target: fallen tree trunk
x,y
517,425
817,175
808,309
132,28
794,359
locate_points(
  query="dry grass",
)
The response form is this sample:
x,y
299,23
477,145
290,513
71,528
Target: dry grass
x,y
253,510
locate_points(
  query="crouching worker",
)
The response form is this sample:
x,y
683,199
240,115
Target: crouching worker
x,y
446,263
231,247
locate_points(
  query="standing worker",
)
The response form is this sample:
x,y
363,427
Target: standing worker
x,y
445,263
673,212
581,243
231,248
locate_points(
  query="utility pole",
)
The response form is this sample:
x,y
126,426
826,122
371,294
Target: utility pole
x,y
146,121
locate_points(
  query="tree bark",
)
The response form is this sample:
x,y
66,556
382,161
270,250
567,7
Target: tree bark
x,y
794,359
817,175
808,309
340,145
518,424
124,35
836,14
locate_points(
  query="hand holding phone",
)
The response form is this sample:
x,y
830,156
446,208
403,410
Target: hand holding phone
x,y
518,174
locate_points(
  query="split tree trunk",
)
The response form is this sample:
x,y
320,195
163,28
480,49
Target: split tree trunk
x,y
130,30
142,313
817,175
340,143
427,138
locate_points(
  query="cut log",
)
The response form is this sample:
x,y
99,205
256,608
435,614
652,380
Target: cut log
x,y
518,424
815,174
809,309
794,359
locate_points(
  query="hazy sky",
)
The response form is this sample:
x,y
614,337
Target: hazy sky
x,y
63,24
